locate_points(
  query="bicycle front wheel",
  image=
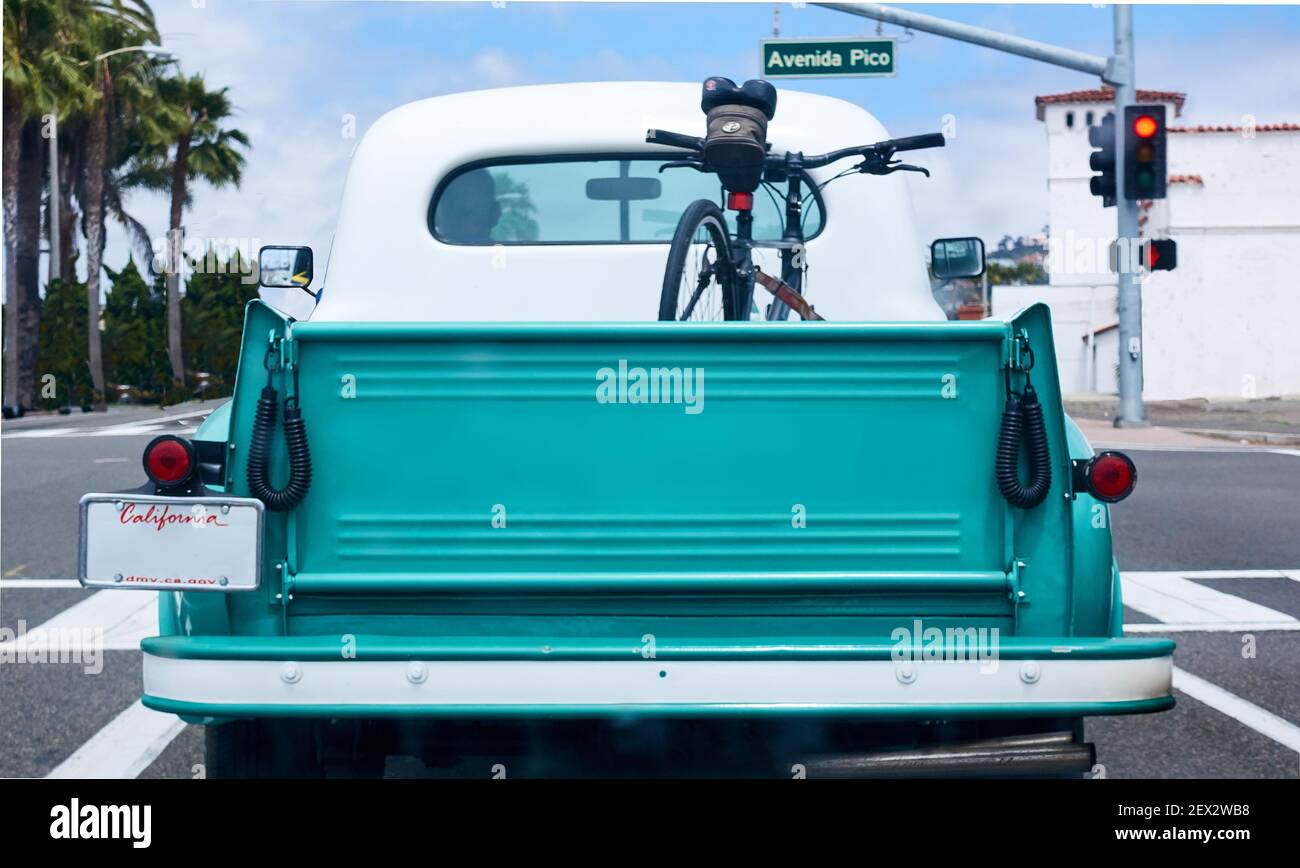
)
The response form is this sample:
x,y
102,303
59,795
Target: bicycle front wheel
x,y
699,282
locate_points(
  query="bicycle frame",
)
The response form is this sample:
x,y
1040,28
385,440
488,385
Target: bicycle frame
x,y
790,169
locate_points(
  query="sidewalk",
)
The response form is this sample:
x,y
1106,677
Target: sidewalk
x,y
1102,434
1267,421
117,414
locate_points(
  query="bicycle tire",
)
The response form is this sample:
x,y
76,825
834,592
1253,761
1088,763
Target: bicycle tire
x,y
686,259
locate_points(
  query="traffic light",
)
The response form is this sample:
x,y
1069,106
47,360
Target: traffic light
x,y
1145,162
1160,254
1103,136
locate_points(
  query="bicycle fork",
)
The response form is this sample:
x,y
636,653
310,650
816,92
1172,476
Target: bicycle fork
x,y
791,238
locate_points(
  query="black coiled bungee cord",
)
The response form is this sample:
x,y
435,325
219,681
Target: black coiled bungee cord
x,y
1022,420
295,437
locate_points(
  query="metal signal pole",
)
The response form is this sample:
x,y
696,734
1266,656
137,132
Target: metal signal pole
x,y
1116,70
1131,412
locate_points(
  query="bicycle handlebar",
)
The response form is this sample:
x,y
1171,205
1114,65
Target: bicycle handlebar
x,y
884,149
674,140
917,143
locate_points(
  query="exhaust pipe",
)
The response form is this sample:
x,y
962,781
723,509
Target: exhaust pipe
x,y
1054,754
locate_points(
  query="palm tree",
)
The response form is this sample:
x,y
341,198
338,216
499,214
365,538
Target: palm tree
x,y
204,150
72,153
119,80
38,73
48,50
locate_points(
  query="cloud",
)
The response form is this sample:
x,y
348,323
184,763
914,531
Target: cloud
x,y
297,70
1247,75
494,68
991,179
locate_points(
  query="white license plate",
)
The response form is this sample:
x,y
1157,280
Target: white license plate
x,y
171,543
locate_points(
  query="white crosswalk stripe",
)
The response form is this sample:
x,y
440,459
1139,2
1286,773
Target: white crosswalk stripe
x,y
119,620
1259,719
1173,598
1182,604
124,748
124,617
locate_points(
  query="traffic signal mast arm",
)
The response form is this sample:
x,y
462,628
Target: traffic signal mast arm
x,y
1117,70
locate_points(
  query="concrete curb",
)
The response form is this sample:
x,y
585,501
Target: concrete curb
x,y
1270,437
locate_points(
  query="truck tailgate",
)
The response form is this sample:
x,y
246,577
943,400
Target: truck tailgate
x,y
527,457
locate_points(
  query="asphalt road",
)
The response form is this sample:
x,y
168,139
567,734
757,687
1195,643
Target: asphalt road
x,y
1228,510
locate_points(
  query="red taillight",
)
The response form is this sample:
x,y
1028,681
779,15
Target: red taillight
x,y
168,460
740,201
1110,476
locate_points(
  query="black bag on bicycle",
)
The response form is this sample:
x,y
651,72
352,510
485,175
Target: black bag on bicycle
x,y
736,142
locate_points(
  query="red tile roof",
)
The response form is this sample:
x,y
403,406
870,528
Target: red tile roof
x,y
1108,95
1236,128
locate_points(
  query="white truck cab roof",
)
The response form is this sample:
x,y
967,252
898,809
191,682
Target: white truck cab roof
x,y
557,254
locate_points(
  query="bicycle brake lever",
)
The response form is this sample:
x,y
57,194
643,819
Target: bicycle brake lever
x,y
906,167
882,167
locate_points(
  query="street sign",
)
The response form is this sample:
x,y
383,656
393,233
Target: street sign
x,y
833,57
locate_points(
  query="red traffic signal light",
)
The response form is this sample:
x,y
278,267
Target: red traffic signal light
x,y
1145,160
1145,126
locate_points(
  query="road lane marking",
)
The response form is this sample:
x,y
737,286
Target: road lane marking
x,y
1237,450
24,584
120,429
37,432
1217,574
134,739
134,431
125,617
123,430
189,415
1174,599
124,748
1217,627
1259,719
9,574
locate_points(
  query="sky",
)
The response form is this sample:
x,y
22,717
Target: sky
x,y
309,77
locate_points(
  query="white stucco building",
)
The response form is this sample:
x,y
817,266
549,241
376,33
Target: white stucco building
x,y
1226,322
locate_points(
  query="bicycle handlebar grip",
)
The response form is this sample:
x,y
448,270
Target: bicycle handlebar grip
x,y
674,140
916,143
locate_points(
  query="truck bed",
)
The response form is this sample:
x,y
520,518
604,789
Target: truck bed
x,y
503,505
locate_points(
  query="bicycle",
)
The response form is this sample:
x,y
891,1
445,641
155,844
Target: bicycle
x,y
704,254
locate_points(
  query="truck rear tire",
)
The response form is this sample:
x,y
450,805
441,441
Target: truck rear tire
x,y
261,749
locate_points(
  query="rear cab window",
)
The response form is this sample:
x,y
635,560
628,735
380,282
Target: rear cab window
x,y
588,200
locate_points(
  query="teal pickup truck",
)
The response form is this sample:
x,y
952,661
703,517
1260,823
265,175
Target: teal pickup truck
x,y
566,539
